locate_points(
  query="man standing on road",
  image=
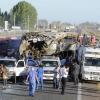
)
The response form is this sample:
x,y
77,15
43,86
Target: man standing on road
x,y
32,77
40,76
63,75
56,77
76,71
4,75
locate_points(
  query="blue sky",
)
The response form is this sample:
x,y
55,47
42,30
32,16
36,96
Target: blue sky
x,y
73,11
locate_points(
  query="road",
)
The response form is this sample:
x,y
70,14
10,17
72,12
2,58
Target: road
x,y
84,91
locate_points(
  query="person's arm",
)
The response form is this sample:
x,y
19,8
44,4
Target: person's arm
x,y
27,78
43,71
57,70
60,72
36,78
36,63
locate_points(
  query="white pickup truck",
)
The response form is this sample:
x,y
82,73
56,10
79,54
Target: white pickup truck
x,y
15,68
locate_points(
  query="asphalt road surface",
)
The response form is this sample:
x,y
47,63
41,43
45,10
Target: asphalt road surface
x,y
84,91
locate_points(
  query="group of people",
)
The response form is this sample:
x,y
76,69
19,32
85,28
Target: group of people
x,y
62,74
35,79
35,76
86,40
69,70
65,73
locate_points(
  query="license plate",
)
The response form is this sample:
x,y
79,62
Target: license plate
x,y
47,77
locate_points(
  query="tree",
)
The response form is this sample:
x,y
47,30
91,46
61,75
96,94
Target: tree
x,y
0,11
23,14
1,21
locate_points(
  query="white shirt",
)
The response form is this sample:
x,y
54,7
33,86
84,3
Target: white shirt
x,y
57,72
64,72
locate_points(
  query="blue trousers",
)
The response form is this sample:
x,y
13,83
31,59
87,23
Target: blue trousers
x,y
40,84
32,87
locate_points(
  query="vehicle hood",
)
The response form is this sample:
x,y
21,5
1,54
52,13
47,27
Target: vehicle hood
x,y
10,68
48,68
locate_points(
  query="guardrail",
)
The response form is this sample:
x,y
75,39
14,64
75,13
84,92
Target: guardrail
x,y
12,33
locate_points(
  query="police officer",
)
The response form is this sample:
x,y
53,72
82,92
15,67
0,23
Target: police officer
x,y
76,71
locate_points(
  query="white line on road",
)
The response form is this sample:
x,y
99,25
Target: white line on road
x,y
79,93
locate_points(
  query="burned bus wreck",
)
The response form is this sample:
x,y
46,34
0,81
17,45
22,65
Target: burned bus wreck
x,y
39,44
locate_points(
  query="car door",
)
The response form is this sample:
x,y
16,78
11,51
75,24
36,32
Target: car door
x,y
20,68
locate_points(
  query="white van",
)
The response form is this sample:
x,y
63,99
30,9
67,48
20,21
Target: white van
x,y
15,68
49,63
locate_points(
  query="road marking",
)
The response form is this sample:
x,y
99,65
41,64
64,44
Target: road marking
x,y
79,93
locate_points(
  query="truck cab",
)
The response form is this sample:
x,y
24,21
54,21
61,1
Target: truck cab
x,y
49,63
91,64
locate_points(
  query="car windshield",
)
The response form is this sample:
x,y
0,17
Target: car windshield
x,y
92,62
49,63
8,63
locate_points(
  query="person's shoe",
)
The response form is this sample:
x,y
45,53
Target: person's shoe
x,y
32,95
29,94
62,93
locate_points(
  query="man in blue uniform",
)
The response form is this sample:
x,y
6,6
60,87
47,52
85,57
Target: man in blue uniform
x,y
40,76
32,62
32,77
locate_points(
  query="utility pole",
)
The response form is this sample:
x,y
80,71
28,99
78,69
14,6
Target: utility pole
x,y
25,24
14,22
28,23
37,24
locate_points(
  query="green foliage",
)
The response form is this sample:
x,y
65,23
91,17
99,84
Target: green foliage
x,y
25,15
4,17
1,21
